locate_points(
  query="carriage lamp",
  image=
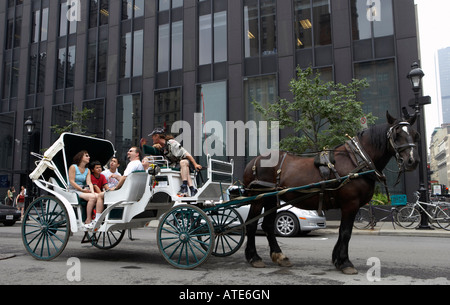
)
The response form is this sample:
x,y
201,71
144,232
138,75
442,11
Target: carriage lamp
x,y
29,124
415,76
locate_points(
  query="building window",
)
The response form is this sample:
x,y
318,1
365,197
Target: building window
x,y
11,79
262,89
170,46
213,41
260,28
128,123
36,82
382,94
96,122
167,108
65,25
372,19
7,121
312,23
99,13
132,9
97,62
132,54
212,104
11,3
40,26
14,33
66,68
165,5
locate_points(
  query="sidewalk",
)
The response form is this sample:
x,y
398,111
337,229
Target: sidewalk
x,y
386,229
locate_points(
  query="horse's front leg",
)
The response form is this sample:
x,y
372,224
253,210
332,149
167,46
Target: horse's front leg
x,y
250,250
340,253
275,251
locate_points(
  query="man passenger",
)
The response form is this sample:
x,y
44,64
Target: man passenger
x,y
134,155
176,154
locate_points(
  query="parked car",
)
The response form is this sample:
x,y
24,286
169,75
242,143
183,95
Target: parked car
x,y
291,221
9,215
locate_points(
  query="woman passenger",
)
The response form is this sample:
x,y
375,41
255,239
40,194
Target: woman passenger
x,y
80,183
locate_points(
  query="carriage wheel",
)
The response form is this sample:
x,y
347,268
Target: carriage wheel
x,y
226,219
185,237
106,240
45,228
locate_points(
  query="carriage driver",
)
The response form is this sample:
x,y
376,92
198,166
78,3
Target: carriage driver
x,y
176,154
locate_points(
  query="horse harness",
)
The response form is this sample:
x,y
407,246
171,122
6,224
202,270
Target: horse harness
x,y
362,160
325,162
324,159
267,186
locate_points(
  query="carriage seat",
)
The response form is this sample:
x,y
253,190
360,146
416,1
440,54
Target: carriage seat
x,y
71,197
132,189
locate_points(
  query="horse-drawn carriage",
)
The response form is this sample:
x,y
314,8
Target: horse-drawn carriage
x,y
190,229
185,232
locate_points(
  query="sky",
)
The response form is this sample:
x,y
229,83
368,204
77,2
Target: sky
x,y
434,28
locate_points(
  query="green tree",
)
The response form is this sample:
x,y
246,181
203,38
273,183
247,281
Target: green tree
x,y
77,124
321,114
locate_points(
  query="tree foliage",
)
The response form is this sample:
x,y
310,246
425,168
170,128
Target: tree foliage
x,y
321,114
77,124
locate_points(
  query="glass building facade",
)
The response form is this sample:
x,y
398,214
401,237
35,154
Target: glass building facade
x,y
144,64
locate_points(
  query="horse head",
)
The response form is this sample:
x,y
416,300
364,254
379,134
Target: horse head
x,y
403,141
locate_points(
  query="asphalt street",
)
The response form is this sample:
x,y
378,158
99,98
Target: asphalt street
x,y
381,260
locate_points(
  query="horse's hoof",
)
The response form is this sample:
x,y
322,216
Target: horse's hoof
x,y
281,260
349,271
258,264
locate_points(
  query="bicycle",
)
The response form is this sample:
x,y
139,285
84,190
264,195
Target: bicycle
x,y
410,216
365,218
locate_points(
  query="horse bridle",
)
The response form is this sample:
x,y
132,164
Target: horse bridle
x,y
399,148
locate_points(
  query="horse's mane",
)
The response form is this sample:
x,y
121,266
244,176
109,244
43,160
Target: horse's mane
x,y
376,135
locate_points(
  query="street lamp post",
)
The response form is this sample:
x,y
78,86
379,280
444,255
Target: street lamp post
x,y
29,125
415,76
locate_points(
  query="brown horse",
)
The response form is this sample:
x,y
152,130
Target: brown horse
x,y
370,150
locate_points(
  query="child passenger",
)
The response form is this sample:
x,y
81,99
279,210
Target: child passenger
x,y
80,183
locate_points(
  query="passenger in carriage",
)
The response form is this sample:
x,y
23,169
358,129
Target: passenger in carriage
x,y
81,183
134,155
98,179
146,162
112,174
178,157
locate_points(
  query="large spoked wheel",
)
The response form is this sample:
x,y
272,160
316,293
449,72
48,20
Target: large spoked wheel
x,y
229,231
45,228
106,240
408,217
185,237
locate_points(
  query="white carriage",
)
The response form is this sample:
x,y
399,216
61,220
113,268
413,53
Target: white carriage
x,y
187,233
